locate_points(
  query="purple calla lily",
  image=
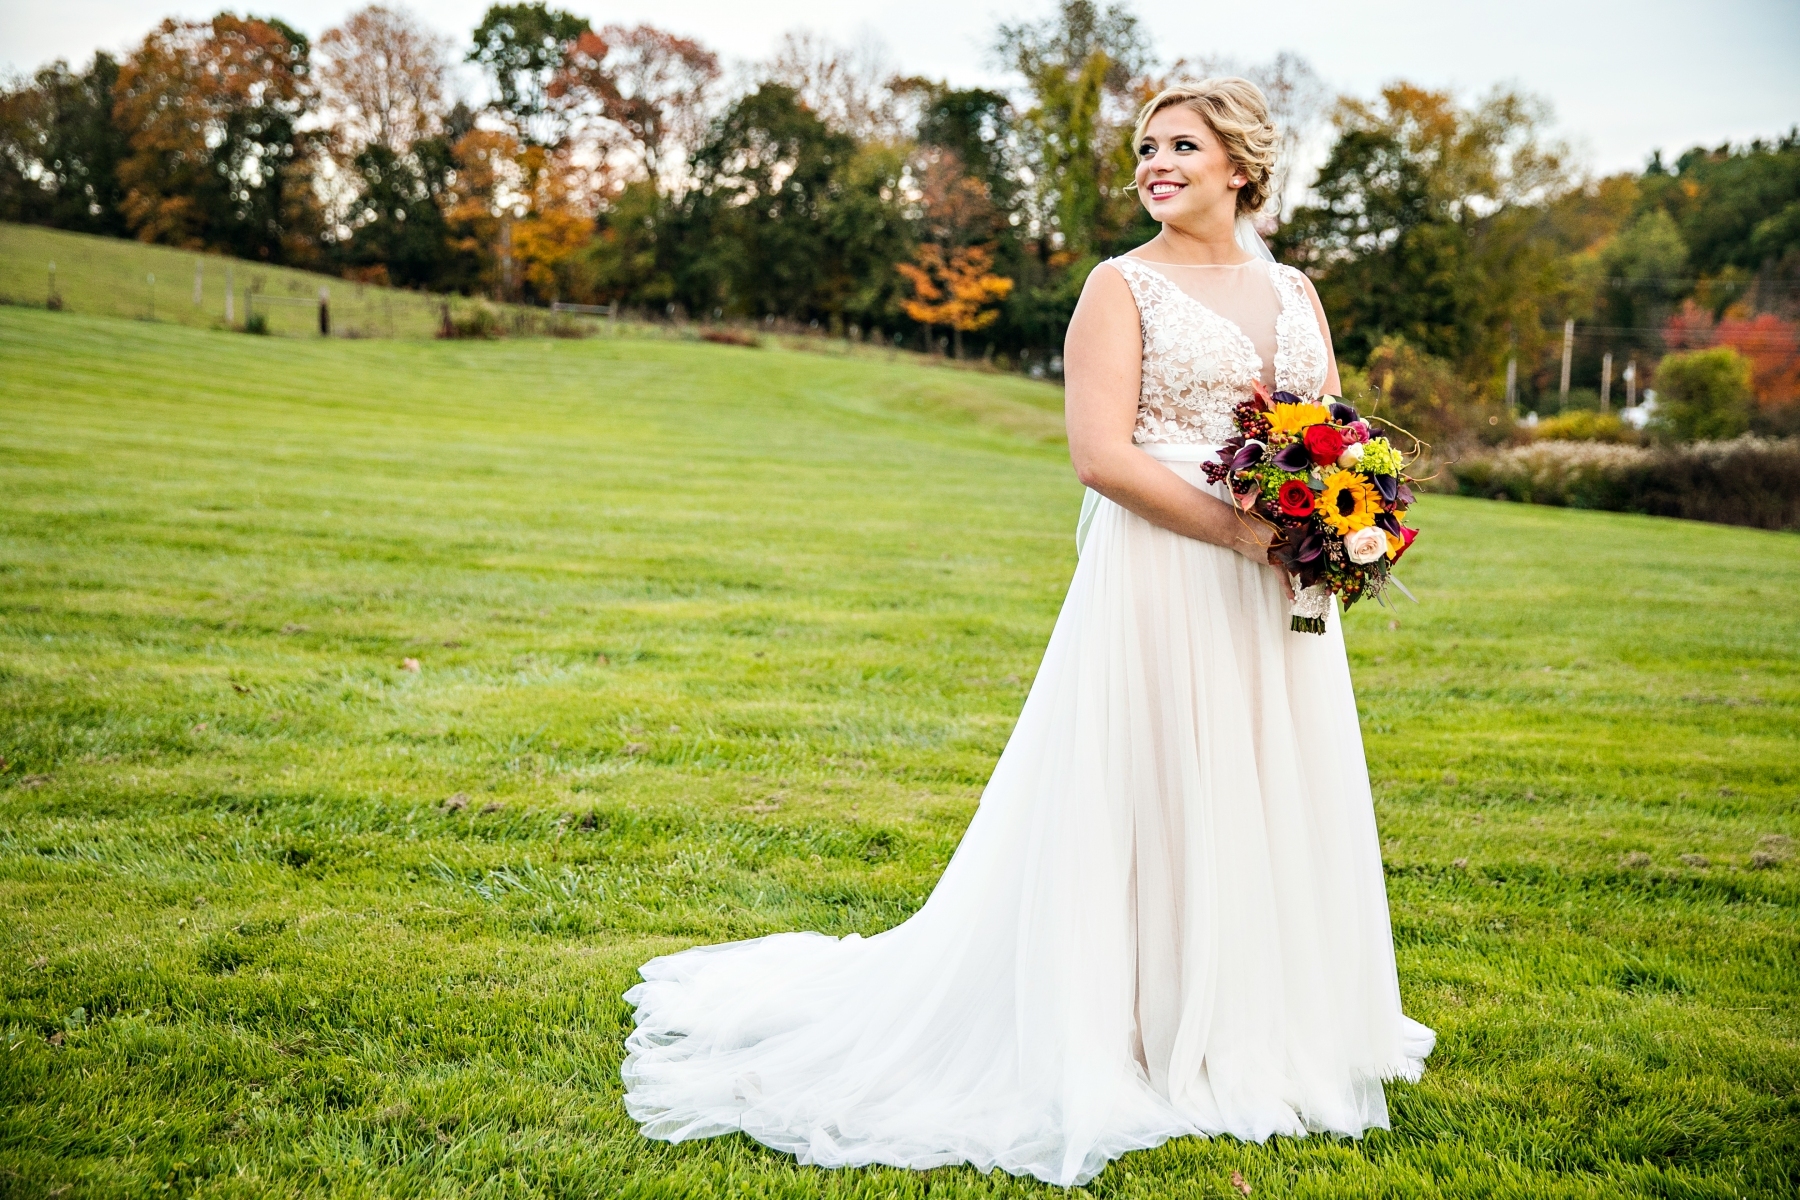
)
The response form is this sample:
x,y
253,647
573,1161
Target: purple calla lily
x,y
1342,413
1311,545
1248,456
1295,458
1287,398
1388,486
1388,523
1220,466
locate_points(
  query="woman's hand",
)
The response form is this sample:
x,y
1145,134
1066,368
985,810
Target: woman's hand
x,y
1256,542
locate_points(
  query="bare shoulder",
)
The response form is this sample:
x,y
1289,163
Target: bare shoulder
x,y
1107,290
1105,319
1107,273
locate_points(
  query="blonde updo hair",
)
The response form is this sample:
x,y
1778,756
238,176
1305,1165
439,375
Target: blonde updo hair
x,y
1236,111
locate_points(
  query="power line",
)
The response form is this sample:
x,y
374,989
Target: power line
x,y
1773,337
1788,285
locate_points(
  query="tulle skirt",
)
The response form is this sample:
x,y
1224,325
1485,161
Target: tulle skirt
x,y
1167,916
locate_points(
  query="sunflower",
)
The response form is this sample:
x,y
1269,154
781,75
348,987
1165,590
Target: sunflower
x,y
1348,503
1292,418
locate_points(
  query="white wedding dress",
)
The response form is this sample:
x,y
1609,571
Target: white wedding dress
x,y
1168,914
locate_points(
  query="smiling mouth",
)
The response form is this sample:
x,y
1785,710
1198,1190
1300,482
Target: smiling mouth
x,y
1162,189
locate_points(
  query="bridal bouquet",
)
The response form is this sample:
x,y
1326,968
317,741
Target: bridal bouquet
x,y
1336,493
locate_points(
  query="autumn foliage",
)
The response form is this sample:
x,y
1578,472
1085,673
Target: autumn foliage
x,y
1771,345
210,110
958,289
639,90
381,79
1449,239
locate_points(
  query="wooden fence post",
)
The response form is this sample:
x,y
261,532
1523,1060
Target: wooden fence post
x,y
1568,354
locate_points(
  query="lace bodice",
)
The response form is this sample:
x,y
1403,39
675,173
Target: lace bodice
x,y
1199,365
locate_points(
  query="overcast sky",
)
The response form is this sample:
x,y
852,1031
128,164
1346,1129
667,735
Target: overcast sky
x,y
1624,78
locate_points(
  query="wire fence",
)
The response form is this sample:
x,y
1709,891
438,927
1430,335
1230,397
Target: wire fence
x,y
118,278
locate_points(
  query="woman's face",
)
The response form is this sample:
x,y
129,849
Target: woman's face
x,y
1183,173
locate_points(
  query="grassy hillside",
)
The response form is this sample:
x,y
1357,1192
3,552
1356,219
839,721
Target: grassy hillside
x,y
714,642
113,277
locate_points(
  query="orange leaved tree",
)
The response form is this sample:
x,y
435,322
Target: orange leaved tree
x,y
524,212
218,159
1771,344
958,289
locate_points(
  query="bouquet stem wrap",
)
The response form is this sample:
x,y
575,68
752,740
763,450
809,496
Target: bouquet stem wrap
x,y
1311,606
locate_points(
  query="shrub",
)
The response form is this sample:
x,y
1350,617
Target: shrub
x,y
1776,420
726,336
1424,396
1581,426
1704,394
1746,481
1567,473
257,323
479,320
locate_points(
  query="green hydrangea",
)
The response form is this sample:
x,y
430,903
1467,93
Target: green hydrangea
x,y
1271,484
1379,458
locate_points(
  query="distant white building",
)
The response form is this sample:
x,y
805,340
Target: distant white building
x,y
1638,415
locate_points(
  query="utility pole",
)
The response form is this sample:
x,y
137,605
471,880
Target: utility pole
x,y
506,260
1512,386
1606,382
1568,356
1631,384
230,289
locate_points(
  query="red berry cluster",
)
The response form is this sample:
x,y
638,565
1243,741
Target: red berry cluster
x,y
1252,421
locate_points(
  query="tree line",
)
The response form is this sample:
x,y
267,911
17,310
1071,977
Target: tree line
x,y
1448,238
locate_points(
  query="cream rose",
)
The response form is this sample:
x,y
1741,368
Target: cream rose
x,y
1366,545
1351,456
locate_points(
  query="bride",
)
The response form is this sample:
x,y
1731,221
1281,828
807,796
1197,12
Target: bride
x,y
1167,917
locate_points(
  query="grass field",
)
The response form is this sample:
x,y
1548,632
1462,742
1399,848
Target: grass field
x,y
114,277
714,642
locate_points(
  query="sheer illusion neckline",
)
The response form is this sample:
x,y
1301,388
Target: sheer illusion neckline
x,y
1236,329
1263,365
1157,262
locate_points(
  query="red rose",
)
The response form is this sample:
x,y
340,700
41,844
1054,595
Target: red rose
x,y
1295,498
1324,443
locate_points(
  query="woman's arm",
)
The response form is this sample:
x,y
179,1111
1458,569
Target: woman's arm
x,y
1102,364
